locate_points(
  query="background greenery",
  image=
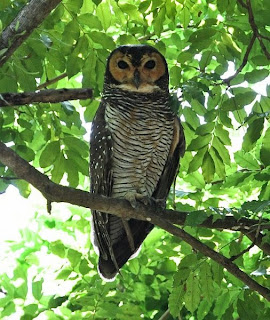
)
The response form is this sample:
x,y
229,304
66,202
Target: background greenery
x,y
225,169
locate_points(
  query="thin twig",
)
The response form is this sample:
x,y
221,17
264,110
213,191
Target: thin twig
x,y
165,315
244,62
52,81
254,27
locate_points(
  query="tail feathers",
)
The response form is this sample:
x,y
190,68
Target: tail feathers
x,y
121,249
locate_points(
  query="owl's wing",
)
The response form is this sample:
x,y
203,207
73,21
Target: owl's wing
x,y
170,170
100,177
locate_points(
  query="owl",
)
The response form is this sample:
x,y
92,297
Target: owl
x,y
135,146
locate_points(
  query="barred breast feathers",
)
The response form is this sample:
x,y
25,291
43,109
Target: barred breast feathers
x,y
142,129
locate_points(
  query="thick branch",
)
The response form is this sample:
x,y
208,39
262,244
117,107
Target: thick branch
x,y
44,96
22,26
57,193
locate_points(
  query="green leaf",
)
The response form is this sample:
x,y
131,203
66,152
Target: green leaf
x,y
192,295
8,310
253,134
49,154
222,304
199,142
104,14
58,248
74,65
256,75
81,164
197,160
102,38
222,134
57,301
25,152
134,266
58,168
84,267
77,145
191,117
90,20
221,150
31,309
72,172
175,300
37,289
205,129
74,6
256,206
206,281
244,312
265,148
239,101
195,218
184,17
219,164
175,76
159,21
64,274
246,160
208,167
198,107
74,257
204,309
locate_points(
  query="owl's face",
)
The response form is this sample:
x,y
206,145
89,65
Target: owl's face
x,y
139,68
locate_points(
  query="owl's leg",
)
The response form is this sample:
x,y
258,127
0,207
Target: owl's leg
x,y
129,235
132,197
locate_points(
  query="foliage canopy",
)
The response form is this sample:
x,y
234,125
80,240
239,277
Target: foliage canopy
x,y
225,170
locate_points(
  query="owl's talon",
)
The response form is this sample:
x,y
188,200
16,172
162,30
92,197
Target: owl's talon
x,y
133,197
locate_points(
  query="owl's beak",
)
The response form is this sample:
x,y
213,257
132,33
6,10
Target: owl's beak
x,y
137,78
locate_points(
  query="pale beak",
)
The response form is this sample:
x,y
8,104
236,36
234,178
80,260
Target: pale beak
x,y
137,78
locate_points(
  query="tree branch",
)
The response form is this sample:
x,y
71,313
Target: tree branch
x,y
58,193
244,62
44,96
119,207
23,25
254,27
257,239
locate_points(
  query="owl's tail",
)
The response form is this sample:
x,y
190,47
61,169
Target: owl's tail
x,y
121,249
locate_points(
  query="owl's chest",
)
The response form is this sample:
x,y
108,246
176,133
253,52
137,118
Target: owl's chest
x,y
138,129
141,143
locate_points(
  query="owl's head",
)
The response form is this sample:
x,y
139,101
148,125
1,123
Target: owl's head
x,y
137,68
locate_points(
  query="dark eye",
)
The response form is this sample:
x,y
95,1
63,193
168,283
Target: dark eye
x,y
122,64
150,64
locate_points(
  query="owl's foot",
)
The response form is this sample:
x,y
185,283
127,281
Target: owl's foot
x,y
133,197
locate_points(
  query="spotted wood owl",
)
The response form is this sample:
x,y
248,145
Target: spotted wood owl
x,y
135,145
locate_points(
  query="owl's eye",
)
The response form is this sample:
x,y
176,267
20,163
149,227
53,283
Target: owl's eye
x,y
150,64
122,64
